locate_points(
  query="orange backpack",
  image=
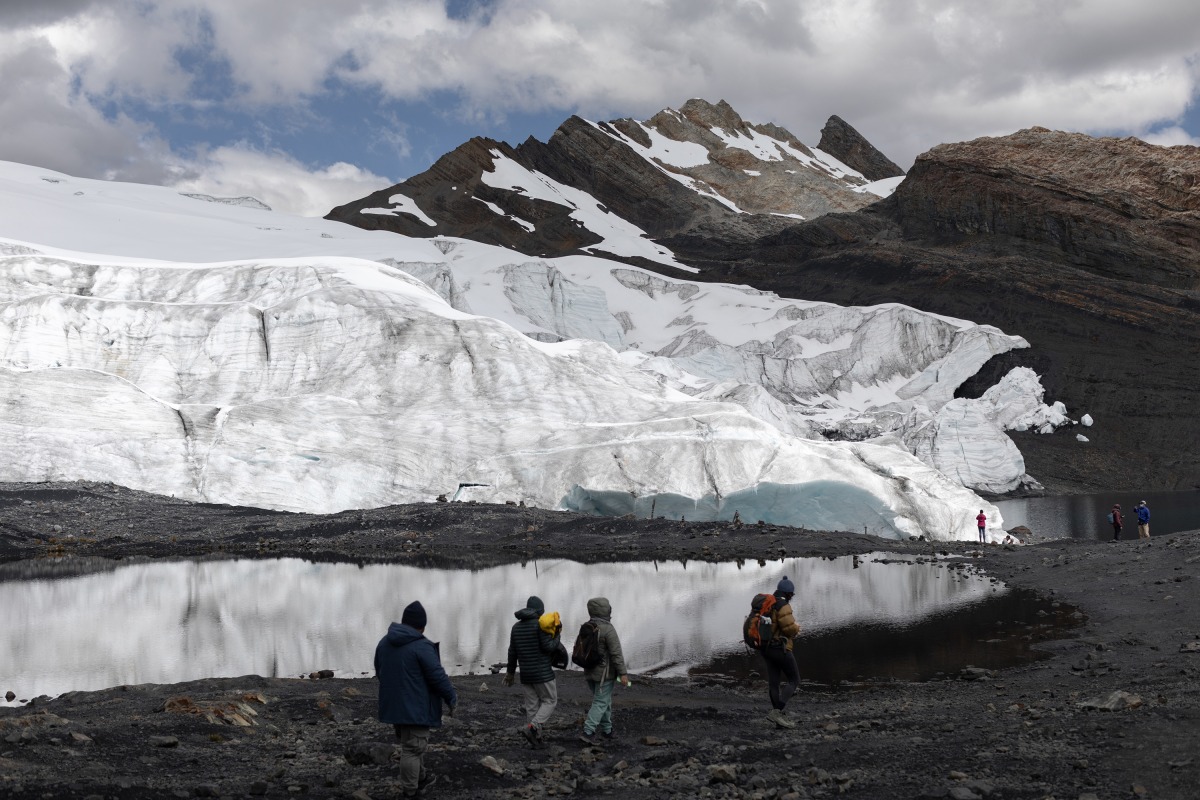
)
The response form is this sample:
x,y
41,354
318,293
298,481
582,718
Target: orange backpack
x,y
757,629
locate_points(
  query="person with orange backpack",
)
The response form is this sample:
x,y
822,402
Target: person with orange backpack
x,y
777,652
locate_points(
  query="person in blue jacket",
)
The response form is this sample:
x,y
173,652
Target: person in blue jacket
x,y
1143,515
412,688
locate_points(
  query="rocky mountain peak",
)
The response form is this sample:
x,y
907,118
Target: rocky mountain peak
x,y
843,142
699,170
721,115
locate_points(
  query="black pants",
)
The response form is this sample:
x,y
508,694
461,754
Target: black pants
x,y
781,662
1116,531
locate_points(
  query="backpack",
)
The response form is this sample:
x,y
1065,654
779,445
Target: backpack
x,y
586,652
1110,518
558,659
756,630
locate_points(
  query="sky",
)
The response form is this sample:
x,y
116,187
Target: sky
x,y
307,104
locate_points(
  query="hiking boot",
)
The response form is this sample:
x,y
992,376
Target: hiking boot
x,y
531,735
424,782
589,739
608,735
780,719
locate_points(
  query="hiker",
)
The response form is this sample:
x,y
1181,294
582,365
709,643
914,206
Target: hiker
x,y
777,654
602,677
1114,517
981,521
1143,517
412,688
532,648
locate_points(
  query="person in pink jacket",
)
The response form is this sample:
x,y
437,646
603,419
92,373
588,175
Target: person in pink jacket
x,y
981,520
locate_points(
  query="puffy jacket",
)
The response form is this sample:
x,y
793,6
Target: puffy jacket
x,y
613,665
1116,512
1143,514
412,683
783,624
530,646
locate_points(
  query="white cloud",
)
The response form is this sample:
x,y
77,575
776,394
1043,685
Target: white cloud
x,y
1170,137
48,123
908,75
278,180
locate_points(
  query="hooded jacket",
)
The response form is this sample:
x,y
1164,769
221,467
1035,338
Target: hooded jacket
x,y
785,627
530,646
412,683
613,665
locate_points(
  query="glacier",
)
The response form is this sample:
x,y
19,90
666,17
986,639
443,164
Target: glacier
x,y
236,355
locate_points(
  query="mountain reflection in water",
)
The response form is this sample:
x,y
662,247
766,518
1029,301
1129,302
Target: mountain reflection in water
x,y
177,621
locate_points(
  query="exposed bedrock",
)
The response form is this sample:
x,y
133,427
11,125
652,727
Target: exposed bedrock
x,y
1086,247
843,142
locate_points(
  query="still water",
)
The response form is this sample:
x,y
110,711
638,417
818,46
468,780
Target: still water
x,y
861,617
1083,516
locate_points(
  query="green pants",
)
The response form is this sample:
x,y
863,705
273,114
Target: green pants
x,y
599,717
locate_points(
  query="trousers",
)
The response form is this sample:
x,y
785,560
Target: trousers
x,y
781,663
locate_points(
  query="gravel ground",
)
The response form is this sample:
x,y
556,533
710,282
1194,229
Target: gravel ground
x,y
1028,732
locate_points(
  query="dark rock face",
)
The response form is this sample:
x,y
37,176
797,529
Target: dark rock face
x,y
1085,247
843,142
452,193
1118,208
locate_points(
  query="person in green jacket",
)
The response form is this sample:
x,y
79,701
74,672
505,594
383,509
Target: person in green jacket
x,y
602,677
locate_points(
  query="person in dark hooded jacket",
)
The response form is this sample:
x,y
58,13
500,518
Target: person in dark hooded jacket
x,y
530,647
412,688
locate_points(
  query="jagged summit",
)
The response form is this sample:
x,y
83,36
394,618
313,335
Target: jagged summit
x,y
615,187
841,140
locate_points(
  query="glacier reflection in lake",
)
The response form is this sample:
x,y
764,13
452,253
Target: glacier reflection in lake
x,y
177,621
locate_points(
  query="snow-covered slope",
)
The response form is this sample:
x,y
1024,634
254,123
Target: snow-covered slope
x,y
328,367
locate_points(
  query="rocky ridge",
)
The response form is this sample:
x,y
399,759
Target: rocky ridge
x,y
701,170
843,142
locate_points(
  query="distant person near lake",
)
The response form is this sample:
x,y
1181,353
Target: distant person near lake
x,y
1143,518
412,688
1114,517
981,521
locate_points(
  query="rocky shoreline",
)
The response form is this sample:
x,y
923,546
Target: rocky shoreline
x,y
1038,731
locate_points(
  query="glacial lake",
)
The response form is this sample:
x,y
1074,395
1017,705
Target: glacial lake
x,y
874,617
1084,516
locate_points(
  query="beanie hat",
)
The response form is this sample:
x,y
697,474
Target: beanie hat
x,y
414,615
785,586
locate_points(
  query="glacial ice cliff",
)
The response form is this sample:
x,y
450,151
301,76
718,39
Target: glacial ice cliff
x,y
242,356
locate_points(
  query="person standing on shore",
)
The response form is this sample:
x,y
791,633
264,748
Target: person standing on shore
x,y
531,648
1143,517
981,521
777,654
412,688
602,677
1114,517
